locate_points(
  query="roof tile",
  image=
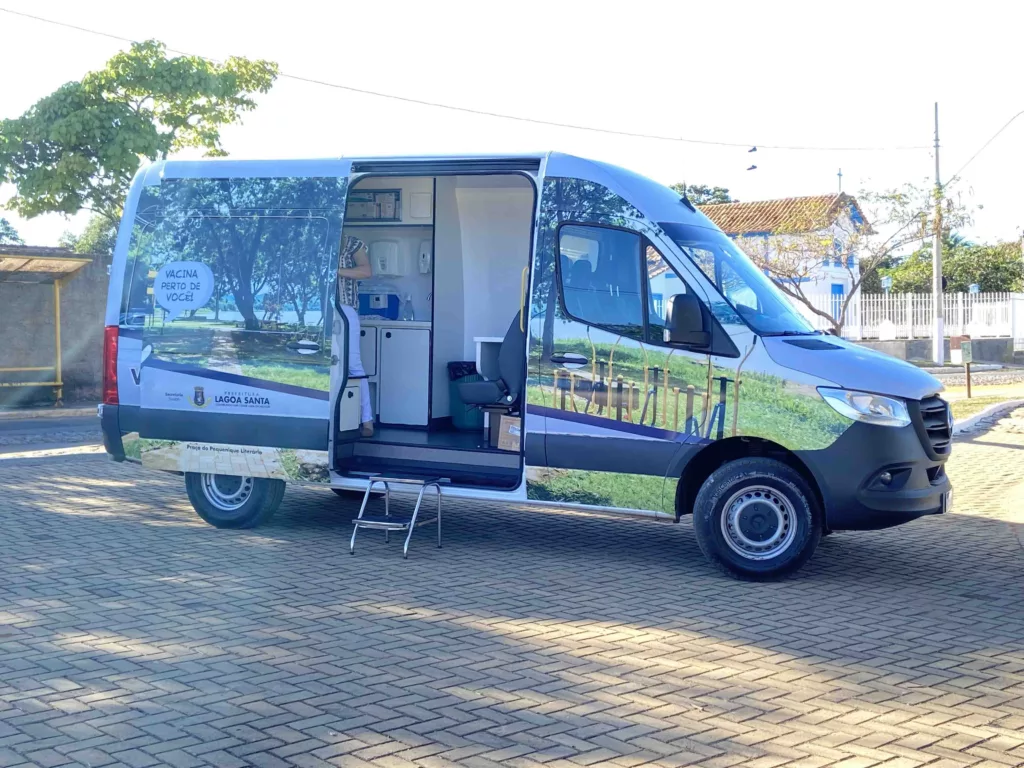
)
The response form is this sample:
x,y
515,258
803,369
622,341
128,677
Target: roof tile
x,y
790,214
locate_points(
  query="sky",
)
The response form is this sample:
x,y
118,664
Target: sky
x,y
807,74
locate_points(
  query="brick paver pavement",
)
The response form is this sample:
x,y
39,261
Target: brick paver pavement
x,y
133,634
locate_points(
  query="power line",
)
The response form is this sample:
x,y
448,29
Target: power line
x,y
956,176
487,113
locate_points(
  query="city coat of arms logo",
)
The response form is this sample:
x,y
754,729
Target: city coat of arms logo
x,y
199,398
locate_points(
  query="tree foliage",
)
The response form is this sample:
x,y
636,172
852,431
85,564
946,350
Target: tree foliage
x,y
97,239
8,234
857,239
268,242
702,194
80,146
993,268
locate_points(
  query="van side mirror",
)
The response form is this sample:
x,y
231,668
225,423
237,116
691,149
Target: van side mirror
x,y
685,322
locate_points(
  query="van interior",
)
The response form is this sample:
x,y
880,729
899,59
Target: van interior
x,y
450,257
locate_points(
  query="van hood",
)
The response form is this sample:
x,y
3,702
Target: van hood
x,y
851,366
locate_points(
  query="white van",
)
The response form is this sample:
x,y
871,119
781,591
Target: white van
x,y
630,355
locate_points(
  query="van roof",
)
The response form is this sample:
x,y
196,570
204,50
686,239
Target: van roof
x,y
209,167
657,201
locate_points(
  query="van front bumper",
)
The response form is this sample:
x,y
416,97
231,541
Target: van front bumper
x,y
851,473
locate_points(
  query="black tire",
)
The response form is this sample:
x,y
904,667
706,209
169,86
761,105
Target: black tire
x,y
256,499
774,526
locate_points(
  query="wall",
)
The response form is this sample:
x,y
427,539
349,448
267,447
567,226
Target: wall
x,y
983,350
496,247
482,243
449,308
26,327
417,285
821,277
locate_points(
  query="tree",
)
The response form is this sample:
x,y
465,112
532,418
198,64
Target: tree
x,y
80,146
872,282
267,241
842,236
702,194
991,267
98,238
8,234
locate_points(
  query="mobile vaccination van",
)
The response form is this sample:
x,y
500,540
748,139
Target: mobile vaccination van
x,y
612,348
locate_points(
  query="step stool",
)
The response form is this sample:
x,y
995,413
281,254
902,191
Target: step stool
x,y
386,522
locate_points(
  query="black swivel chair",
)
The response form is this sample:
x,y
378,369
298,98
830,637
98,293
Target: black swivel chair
x,y
506,389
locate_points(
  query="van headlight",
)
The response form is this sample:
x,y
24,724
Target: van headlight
x,y
866,407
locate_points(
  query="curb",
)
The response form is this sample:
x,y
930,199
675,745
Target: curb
x,y
997,409
49,413
959,369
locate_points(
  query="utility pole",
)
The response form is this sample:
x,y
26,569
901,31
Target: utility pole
x,y
840,175
938,323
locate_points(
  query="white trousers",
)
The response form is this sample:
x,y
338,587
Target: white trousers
x,y
355,362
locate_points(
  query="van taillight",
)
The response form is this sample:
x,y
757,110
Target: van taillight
x,y
110,365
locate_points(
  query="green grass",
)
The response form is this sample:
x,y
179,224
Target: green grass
x,y
769,406
134,448
289,462
605,489
296,375
964,408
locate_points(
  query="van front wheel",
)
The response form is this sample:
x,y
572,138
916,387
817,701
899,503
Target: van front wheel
x,y
229,501
757,519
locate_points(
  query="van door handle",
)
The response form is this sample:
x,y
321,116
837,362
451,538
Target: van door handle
x,y
569,358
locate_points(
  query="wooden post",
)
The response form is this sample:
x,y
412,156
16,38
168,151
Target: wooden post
x,y
618,399
968,380
689,408
664,399
675,409
629,403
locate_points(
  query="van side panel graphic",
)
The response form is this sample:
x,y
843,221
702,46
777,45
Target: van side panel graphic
x,y
608,385
250,367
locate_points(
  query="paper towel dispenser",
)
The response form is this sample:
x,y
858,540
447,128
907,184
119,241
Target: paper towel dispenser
x,y
386,259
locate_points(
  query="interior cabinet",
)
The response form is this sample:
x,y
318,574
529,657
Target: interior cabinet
x,y
368,349
403,389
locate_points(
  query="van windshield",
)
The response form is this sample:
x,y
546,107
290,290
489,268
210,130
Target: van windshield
x,y
749,292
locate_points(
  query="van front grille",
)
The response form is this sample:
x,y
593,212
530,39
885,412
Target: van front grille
x,y
934,423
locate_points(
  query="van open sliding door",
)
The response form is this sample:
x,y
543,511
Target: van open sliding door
x,y
233,274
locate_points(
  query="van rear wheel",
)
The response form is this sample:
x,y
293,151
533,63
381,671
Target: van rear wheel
x,y
757,519
229,501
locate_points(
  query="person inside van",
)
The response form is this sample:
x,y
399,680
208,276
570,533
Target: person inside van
x,y
354,265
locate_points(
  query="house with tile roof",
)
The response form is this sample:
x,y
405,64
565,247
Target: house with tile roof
x,y
825,221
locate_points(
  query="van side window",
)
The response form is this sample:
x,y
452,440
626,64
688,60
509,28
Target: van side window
x,y
663,282
599,277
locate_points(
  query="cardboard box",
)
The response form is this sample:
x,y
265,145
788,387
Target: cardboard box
x,y
509,434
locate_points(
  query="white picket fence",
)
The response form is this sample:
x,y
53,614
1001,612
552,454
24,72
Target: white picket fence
x,y
909,315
